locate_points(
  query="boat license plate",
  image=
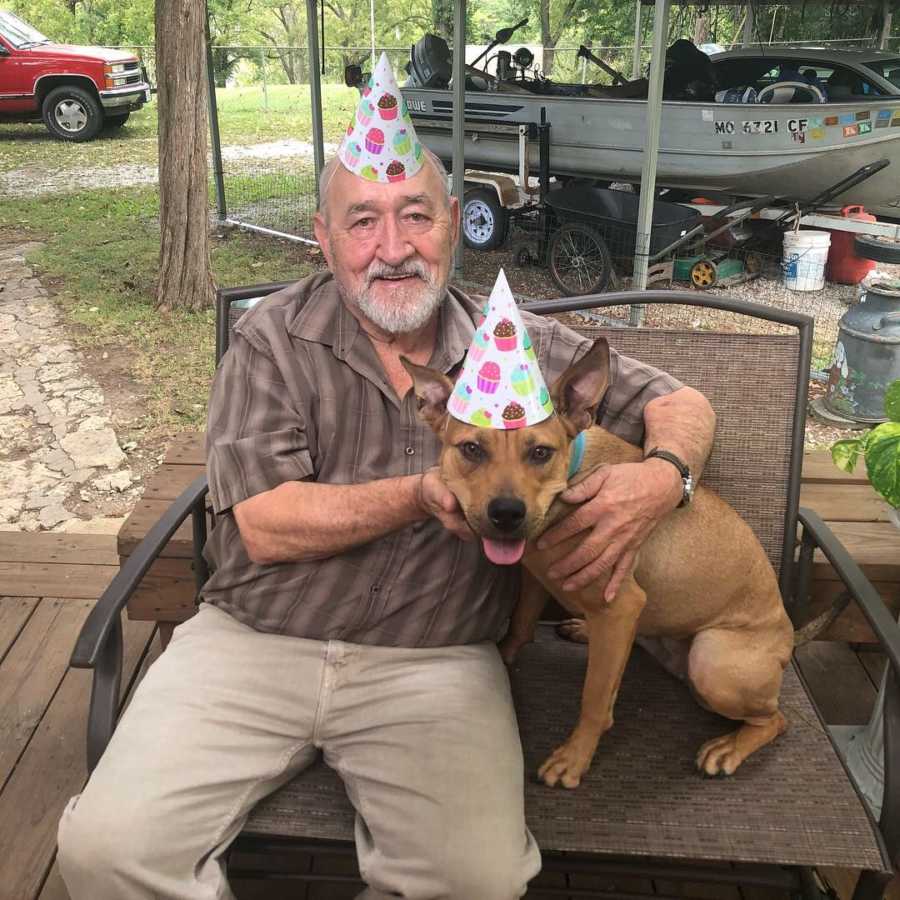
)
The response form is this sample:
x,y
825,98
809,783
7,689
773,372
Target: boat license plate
x,y
761,126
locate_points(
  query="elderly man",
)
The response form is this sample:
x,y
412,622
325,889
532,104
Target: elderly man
x,y
350,611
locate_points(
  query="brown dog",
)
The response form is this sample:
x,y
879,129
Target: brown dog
x,y
703,597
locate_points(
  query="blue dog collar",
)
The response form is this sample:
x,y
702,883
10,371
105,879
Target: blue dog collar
x,y
577,457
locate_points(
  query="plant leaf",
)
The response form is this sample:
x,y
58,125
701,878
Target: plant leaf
x,y
883,461
892,401
845,454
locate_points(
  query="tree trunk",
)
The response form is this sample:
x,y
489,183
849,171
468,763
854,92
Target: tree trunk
x,y
442,17
185,279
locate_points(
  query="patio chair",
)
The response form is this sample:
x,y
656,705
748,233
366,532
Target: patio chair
x,y
642,810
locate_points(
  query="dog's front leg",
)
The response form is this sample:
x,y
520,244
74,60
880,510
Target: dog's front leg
x,y
532,599
611,631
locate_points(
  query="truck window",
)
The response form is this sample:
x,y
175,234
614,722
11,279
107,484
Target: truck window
x,y
20,34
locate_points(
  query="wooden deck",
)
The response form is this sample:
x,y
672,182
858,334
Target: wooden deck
x,y
48,583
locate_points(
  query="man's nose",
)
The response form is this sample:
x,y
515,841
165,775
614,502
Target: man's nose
x,y
506,513
394,248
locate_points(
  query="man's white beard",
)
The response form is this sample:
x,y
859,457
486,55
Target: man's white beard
x,y
389,315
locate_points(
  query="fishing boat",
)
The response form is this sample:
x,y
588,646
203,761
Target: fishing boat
x,y
791,149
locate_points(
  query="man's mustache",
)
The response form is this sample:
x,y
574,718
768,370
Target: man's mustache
x,y
413,268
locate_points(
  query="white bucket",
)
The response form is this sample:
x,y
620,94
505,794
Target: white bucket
x,y
805,255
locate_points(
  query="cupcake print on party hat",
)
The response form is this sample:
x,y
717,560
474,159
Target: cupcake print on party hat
x,y
500,378
381,143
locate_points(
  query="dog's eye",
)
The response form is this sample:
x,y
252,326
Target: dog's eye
x,y
471,451
541,454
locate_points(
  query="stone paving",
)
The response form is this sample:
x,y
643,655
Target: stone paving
x,y
60,460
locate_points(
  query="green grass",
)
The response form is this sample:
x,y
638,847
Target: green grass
x,y
101,258
244,118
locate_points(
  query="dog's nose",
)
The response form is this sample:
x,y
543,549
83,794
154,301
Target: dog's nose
x,y
506,513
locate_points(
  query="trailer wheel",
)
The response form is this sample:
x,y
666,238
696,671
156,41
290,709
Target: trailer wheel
x,y
880,251
484,220
704,274
579,260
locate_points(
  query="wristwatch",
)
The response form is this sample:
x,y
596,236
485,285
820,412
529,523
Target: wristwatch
x,y
687,481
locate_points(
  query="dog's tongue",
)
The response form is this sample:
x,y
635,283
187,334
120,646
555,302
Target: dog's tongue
x,y
503,553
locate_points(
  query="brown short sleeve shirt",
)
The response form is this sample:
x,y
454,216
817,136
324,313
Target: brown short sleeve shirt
x,y
300,394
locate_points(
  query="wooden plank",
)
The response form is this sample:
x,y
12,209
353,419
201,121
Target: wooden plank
x,y
49,772
873,661
31,672
14,613
166,593
838,682
697,889
187,449
851,626
50,547
844,502
144,516
51,580
818,467
875,546
168,481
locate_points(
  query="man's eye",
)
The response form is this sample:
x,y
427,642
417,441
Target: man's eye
x,y
418,217
364,223
541,454
471,451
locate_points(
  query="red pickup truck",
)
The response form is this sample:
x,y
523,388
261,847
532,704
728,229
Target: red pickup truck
x,y
75,90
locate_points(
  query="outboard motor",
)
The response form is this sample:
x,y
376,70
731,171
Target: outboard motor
x,y
430,63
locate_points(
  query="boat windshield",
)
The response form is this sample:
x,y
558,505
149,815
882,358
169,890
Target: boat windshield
x,y
20,34
886,68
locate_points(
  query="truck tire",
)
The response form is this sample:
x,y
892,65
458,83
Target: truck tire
x,y
116,121
881,251
72,114
484,220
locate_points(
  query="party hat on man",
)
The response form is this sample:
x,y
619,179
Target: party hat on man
x,y
501,385
381,142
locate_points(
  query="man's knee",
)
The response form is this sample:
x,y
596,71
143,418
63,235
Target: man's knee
x,y
501,877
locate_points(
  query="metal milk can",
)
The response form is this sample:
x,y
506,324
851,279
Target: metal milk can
x,y
867,353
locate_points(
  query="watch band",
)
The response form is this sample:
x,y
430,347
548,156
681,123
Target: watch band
x,y
687,481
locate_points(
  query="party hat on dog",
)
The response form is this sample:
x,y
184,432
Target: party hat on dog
x,y
381,143
501,385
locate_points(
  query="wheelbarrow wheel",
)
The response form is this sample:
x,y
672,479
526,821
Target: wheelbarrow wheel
x,y
704,274
579,260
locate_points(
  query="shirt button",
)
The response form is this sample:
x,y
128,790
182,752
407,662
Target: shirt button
x,y
410,451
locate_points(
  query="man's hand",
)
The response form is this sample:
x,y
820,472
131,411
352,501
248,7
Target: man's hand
x,y
622,504
437,500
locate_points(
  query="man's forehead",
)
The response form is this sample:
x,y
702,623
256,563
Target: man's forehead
x,y
357,194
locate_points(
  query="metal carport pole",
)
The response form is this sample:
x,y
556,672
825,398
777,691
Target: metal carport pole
x,y
636,50
459,116
315,89
651,153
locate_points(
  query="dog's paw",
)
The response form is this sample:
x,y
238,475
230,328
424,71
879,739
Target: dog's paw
x,y
567,764
574,630
721,755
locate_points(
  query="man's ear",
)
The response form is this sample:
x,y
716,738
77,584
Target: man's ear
x,y
579,390
320,228
432,392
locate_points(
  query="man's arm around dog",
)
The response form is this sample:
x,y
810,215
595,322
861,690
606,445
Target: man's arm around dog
x,y
622,504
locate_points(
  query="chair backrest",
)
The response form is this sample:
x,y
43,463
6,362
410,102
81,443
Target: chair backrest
x,y
755,374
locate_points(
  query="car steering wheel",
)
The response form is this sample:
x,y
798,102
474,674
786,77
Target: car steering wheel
x,y
815,92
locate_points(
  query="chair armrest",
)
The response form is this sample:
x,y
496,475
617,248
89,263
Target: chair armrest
x,y
97,627
858,586
887,630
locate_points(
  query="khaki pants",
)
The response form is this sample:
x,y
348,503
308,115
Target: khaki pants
x,y
425,741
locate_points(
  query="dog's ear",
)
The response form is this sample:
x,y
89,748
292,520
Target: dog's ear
x,y
432,392
579,390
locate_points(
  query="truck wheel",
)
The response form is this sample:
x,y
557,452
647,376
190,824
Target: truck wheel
x,y
72,114
116,121
484,220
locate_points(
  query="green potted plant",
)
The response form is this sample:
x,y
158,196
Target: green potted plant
x,y
880,447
